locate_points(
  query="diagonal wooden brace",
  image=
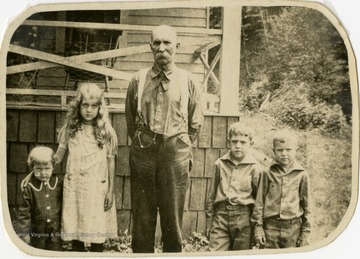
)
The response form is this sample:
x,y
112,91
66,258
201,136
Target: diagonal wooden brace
x,y
79,62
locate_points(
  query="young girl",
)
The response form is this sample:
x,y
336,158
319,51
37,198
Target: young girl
x,y
88,213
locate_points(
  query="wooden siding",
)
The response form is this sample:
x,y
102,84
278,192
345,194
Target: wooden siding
x,y
178,18
27,128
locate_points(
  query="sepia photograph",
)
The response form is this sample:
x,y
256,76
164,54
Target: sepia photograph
x,y
178,128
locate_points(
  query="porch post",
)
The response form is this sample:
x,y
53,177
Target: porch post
x,y
230,60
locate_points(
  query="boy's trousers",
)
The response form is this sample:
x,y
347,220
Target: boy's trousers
x,y
281,233
231,228
159,178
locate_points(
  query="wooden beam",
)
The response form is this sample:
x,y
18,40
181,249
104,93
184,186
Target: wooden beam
x,y
116,27
209,73
45,92
66,61
206,47
211,68
230,60
78,58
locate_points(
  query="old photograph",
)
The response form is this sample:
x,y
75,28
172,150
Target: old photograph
x,y
178,128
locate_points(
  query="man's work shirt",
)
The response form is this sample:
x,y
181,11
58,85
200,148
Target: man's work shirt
x,y
161,110
285,195
236,183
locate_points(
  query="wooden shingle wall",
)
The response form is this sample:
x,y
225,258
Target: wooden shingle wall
x,y
27,128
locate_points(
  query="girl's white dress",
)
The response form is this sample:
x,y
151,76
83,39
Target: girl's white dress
x,y
85,186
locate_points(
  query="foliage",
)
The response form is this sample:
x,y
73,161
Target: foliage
x,y
296,47
122,244
294,109
196,243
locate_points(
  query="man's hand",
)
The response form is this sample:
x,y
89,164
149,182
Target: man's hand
x,y
25,181
208,228
109,198
260,240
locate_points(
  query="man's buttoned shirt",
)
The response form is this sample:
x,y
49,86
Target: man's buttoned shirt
x,y
161,110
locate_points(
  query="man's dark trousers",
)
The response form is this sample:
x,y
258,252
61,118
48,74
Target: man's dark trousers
x,y
159,178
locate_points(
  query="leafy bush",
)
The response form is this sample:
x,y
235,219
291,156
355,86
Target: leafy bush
x,y
196,243
251,103
120,244
328,118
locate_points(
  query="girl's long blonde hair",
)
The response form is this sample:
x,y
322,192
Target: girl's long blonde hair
x,y
104,132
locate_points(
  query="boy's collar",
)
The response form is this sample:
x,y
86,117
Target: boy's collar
x,y
295,166
37,185
248,159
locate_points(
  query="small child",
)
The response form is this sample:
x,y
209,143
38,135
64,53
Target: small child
x,y
282,208
232,193
39,214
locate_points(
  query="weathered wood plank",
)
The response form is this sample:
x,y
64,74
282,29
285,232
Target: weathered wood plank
x,y
187,198
198,162
197,194
12,125
119,123
230,121
59,123
211,155
230,56
172,21
11,185
46,127
28,126
208,184
189,223
72,63
116,27
18,153
56,92
118,189
206,133
77,59
127,194
122,161
184,40
171,12
219,132
201,222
